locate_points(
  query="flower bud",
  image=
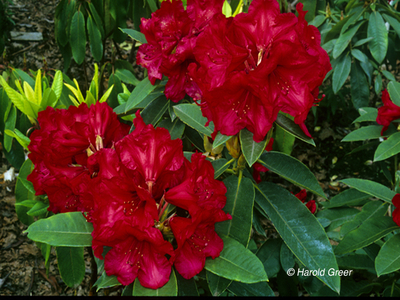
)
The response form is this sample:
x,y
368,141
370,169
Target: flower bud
x,y
241,162
218,150
233,146
207,144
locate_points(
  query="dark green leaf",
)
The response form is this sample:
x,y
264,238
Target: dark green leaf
x,y
139,93
96,45
337,216
377,29
393,22
364,133
344,40
239,204
105,281
220,139
292,170
394,92
191,115
370,231
155,110
217,284
259,289
175,128
388,259
367,114
359,87
186,287
269,254
389,75
235,262
388,148
341,72
78,37
38,209
10,125
300,230
127,76
371,187
220,165
71,265
349,197
291,127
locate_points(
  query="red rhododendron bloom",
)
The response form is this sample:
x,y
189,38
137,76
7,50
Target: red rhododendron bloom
x,y
388,112
171,35
396,212
61,147
256,64
141,254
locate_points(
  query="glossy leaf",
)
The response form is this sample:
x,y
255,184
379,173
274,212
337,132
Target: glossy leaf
x,y
71,265
389,75
105,281
186,287
283,140
367,114
169,289
259,289
344,40
220,165
370,210
63,230
9,126
292,170
394,92
349,197
300,230
235,262
22,139
370,231
136,35
78,37
291,127
341,71
175,128
250,149
371,187
217,284
388,148
191,115
96,45
377,29
364,133
388,259
38,209
155,110
239,204
268,254
359,86
393,22
139,93
220,139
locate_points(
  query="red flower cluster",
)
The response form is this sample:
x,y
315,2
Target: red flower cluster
x,y
138,190
388,112
244,70
171,35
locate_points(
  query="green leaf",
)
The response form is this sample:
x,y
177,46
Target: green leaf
x,y
49,99
369,210
364,133
341,71
259,289
394,92
354,261
393,22
96,45
97,19
359,86
155,110
9,126
169,289
292,170
269,255
237,263
152,4
106,281
344,40
367,114
250,149
71,265
136,35
389,75
388,148
127,76
139,93
388,259
363,41
220,165
175,128
317,21
300,230
186,287
370,231
220,139
239,204
38,209
349,197
191,115
22,139
283,141
63,230
78,37
291,127
217,284
371,187
377,29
